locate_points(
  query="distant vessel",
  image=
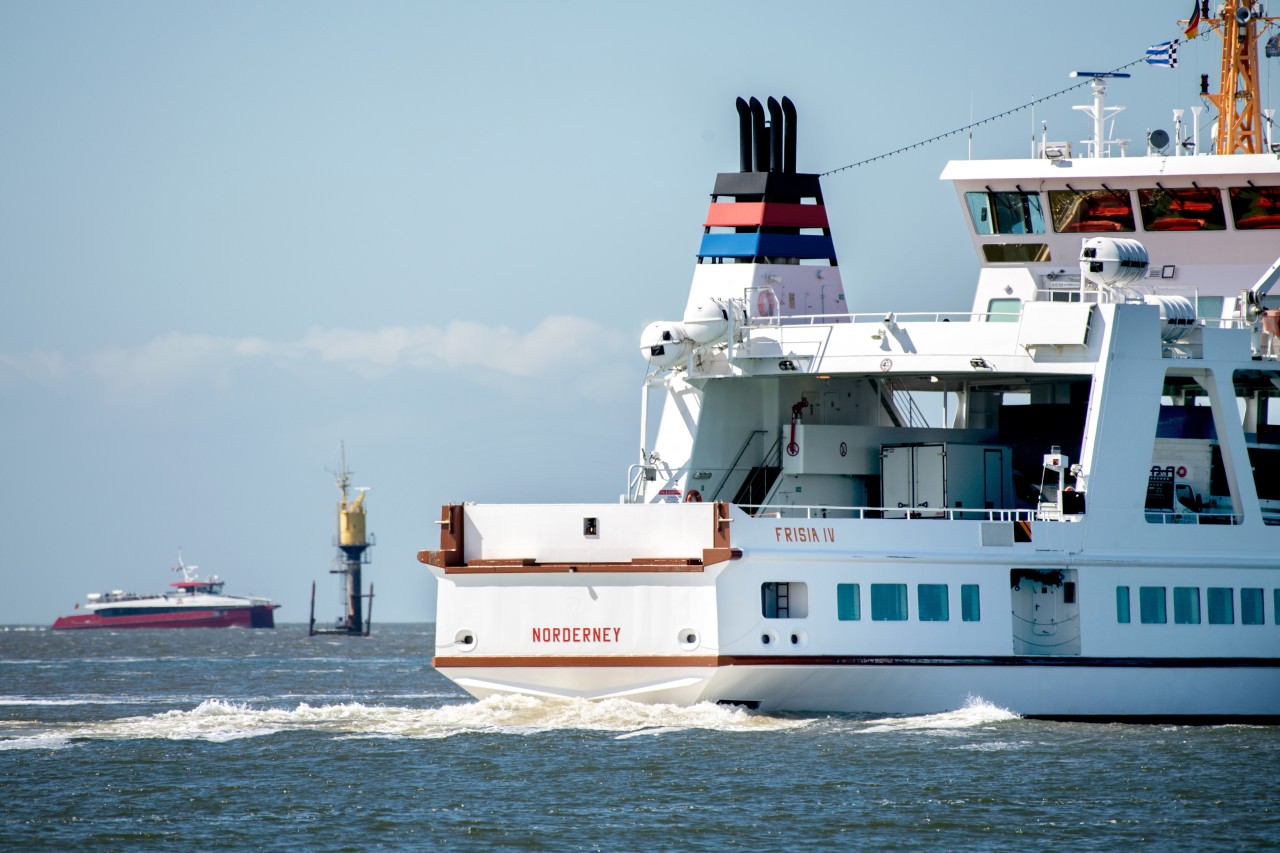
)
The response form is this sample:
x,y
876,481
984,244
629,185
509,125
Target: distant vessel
x,y
194,603
1089,530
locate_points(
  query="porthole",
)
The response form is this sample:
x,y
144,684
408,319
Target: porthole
x,y
797,638
688,639
769,639
465,639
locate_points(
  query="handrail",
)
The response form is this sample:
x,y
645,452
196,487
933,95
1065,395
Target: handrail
x,y
734,464
896,513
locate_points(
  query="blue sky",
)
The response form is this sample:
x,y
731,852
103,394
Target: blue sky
x,y
234,235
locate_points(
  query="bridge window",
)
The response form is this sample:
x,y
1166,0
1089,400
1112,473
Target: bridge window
x,y
1016,253
1255,208
1004,310
1091,211
1188,209
1005,212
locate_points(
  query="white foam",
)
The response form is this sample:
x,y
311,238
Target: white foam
x,y
976,712
220,720
42,742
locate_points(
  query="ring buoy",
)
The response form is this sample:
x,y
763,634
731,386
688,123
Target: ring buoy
x,y
766,303
693,496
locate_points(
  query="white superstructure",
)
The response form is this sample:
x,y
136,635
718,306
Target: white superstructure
x,y
1065,501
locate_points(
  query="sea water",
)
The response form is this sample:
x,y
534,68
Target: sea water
x,y
273,740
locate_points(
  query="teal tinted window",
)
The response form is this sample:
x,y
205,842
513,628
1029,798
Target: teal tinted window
x,y
888,602
969,603
1275,606
932,601
1151,605
1003,310
1221,609
1122,605
1005,212
1186,605
848,602
1251,607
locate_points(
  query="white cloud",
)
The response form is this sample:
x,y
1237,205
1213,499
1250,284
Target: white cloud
x,y
176,359
39,366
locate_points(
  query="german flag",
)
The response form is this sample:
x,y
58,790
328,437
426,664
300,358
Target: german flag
x,y
1193,25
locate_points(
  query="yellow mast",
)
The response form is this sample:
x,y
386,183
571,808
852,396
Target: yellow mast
x,y
1237,100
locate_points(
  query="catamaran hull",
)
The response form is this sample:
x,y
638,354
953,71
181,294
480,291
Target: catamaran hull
x,y
240,617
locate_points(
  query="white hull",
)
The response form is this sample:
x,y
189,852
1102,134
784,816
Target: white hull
x,y
1115,691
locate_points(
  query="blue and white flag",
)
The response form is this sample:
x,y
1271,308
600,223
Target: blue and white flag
x,y
1164,54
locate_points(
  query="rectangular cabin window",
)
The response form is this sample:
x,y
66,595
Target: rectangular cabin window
x,y
1091,211
1182,209
1255,208
848,602
970,606
1275,606
1004,310
888,602
1251,607
1122,605
1005,212
1151,605
1221,606
784,600
1186,605
1016,253
931,599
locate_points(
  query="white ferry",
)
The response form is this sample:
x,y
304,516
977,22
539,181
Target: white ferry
x,y
1065,501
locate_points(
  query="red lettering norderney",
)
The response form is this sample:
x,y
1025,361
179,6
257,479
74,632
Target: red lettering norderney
x,y
577,634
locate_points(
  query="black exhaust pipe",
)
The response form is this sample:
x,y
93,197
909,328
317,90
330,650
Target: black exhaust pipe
x,y
775,135
760,137
744,136
789,143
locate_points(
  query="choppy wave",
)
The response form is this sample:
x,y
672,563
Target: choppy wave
x,y
219,721
976,712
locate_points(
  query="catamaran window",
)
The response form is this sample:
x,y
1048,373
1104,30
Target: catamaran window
x,y
888,602
1016,253
1187,209
1251,607
1003,310
1091,211
931,599
1186,605
969,603
784,600
1122,605
848,602
1221,611
1005,213
1151,605
1275,606
1255,208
